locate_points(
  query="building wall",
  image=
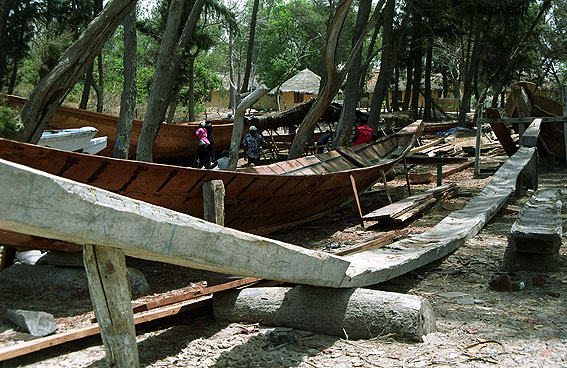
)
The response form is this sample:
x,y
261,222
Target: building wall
x,y
218,100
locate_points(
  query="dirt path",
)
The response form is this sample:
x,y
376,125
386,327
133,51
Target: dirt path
x,y
477,327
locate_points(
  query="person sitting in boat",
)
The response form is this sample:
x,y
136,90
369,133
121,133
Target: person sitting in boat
x,y
323,141
363,132
202,157
222,162
252,144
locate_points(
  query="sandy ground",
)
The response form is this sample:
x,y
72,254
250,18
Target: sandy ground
x,y
476,326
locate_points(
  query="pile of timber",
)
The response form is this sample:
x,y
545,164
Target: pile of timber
x,y
409,207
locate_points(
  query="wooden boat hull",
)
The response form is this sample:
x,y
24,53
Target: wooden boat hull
x,y
175,143
260,201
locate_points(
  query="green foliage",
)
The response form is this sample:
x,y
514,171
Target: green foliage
x,y
8,121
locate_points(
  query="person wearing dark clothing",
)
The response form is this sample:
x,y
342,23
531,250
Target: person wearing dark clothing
x,y
252,143
211,138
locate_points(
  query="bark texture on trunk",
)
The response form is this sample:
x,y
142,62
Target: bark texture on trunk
x,y
334,78
250,47
128,99
238,126
352,88
348,313
50,92
159,93
387,63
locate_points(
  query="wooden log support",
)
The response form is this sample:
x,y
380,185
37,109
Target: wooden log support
x,y
528,178
348,313
530,136
406,173
439,174
385,181
108,285
356,199
539,227
213,201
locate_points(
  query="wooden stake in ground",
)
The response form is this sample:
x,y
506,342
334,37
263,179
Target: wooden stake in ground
x,y
108,285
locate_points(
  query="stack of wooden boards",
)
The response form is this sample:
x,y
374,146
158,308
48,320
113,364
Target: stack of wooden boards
x,y
409,207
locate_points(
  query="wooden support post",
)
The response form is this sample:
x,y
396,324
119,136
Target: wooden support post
x,y
213,201
407,175
564,100
385,181
110,293
477,148
356,199
439,174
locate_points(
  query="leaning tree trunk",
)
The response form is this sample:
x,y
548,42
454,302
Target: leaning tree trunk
x,y
334,78
167,67
238,126
159,93
352,88
386,65
50,92
250,47
128,100
409,83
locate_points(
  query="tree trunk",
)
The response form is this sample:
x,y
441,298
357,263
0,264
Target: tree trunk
x,y
409,82
250,47
238,126
416,79
386,65
128,100
14,76
428,62
469,72
334,78
191,103
86,88
232,96
5,7
50,92
396,92
352,89
159,93
100,89
348,313
166,71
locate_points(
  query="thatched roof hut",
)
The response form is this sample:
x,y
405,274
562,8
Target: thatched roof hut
x,y
303,82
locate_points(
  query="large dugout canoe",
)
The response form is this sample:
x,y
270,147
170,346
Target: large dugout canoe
x,y
258,200
175,143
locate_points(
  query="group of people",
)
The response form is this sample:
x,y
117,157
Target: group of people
x,y
205,157
253,142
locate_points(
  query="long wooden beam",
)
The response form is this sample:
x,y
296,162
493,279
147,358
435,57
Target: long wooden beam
x,y
36,203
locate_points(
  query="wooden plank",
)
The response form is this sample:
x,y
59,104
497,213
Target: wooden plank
x,y
28,347
356,199
504,138
354,157
428,145
376,242
426,160
88,215
429,176
383,264
400,207
109,289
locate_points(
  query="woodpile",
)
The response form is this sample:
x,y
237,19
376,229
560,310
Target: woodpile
x,y
411,206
